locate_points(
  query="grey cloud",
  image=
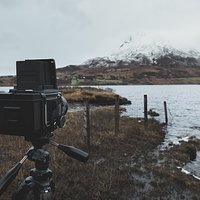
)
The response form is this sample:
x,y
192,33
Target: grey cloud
x,y
72,31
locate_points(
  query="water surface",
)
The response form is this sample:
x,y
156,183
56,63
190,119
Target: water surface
x,y
183,102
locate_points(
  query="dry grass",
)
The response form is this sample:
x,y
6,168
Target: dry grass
x,y
92,95
120,167
84,93
137,74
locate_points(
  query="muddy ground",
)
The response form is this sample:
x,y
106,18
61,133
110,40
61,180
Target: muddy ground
x,y
127,165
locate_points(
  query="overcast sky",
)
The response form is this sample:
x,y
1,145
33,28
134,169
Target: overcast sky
x,y
72,31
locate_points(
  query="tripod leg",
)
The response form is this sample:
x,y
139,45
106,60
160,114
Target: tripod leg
x,y
24,188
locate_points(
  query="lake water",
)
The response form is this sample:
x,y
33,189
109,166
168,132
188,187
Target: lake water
x,y
4,89
183,103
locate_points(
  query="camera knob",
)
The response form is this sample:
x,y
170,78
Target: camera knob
x,y
61,122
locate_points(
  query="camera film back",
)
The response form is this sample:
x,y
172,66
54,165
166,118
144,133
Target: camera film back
x,y
36,74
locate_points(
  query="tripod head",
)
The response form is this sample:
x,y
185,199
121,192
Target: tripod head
x,y
41,159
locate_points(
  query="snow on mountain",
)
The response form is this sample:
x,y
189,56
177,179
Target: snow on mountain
x,y
147,52
134,50
99,61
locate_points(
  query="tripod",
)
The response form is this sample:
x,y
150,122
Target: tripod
x,y
39,185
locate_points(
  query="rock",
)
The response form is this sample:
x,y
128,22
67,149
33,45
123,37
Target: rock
x,y
191,151
171,144
152,113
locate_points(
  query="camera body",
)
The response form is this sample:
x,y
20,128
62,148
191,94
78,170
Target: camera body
x,y
34,108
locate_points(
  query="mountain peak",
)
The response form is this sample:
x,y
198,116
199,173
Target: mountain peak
x,y
145,52
134,50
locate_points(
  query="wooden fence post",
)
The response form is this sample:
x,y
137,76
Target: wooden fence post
x,y
87,125
145,112
166,115
117,114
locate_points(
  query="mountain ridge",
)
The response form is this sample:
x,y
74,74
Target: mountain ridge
x,y
148,53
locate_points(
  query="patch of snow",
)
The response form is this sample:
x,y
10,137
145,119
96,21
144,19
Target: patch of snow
x,y
188,173
185,171
185,139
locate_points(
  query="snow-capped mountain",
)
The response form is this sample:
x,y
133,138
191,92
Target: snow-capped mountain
x,y
153,52
133,50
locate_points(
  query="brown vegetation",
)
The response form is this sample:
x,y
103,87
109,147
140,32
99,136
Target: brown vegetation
x,y
131,74
124,166
7,81
92,95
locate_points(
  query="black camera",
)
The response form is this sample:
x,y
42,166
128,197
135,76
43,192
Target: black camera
x,y
34,108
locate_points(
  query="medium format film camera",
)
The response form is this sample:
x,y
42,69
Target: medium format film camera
x,y
34,108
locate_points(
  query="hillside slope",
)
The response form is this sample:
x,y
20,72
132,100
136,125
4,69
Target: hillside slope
x,y
129,74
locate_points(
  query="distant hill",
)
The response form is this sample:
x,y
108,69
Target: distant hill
x,y
7,80
124,73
